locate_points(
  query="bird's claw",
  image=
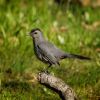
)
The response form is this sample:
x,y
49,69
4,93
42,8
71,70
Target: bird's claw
x,y
45,71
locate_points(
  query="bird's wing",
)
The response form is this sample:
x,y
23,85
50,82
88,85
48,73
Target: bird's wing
x,y
55,54
47,54
52,49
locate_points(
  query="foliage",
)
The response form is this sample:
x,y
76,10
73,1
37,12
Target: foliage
x,y
65,29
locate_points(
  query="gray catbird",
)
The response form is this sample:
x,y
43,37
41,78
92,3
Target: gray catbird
x,y
49,53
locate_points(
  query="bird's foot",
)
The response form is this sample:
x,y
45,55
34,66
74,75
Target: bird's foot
x,y
45,71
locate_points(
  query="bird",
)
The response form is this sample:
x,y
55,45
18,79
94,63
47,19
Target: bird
x,y
48,52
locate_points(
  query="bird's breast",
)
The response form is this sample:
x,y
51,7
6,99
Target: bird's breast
x,y
39,54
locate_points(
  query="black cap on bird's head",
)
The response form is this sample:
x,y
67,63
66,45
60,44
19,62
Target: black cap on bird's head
x,y
35,29
36,33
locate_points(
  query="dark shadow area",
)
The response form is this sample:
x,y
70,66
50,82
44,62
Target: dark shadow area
x,y
58,92
16,85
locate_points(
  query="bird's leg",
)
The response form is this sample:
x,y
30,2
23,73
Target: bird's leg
x,y
46,70
58,64
49,66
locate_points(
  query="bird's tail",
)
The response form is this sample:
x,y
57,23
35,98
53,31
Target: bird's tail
x,y
76,56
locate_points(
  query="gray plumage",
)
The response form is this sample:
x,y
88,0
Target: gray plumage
x,y
49,53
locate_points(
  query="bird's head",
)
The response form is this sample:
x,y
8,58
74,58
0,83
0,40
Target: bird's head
x,y
36,33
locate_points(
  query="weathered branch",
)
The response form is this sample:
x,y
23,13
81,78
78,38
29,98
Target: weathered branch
x,y
58,85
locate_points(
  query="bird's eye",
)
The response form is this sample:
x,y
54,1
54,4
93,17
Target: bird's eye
x,y
35,32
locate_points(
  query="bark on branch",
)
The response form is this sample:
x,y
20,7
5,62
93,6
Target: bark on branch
x,y
58,85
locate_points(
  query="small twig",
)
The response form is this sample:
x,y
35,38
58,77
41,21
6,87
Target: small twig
x,y
58,85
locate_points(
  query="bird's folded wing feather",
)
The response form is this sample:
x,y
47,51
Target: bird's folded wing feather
x,y
52,50
46,52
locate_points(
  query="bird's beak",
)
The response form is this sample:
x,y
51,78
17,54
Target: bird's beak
x,y
28,34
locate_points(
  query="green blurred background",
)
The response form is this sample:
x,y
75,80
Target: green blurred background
x,y
71,26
